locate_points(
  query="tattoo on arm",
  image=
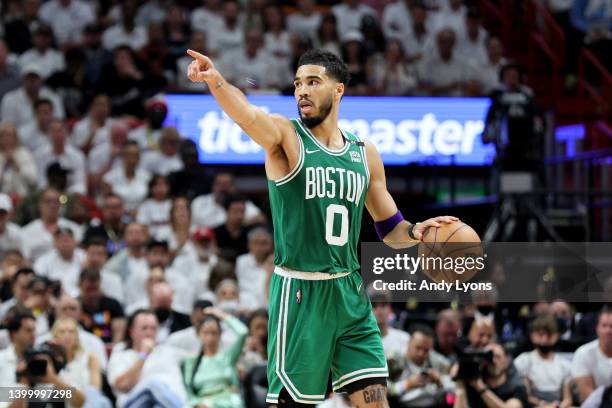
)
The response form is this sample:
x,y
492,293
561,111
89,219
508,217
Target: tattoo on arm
x,y
376,394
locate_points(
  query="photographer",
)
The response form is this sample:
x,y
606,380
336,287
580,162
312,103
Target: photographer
x,y
423,382
494,387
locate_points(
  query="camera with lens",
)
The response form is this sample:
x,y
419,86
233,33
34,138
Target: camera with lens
x,y
36,360
472,362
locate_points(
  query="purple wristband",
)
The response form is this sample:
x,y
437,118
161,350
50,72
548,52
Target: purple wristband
x,y
386,226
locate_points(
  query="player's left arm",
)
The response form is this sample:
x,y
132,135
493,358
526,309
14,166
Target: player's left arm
x,y
392,229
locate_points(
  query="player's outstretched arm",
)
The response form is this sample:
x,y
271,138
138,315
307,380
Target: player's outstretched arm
x,y
383,209
266,130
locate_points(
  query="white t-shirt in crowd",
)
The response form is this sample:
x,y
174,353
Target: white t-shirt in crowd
x,y
162,364
132,191
225,39
303,25
71,159
145,137
39,240
205,20
54,267
206,212
251,279
349,18
100,156
32,136
67,22
116,35
155,162
48,62
154,214
11,238
545,375
395,343
18,108
589,360
82,130
436,71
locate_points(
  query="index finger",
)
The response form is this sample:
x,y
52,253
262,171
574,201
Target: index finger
x,y
197,55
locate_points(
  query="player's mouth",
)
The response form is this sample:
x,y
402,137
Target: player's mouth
x,y
305,107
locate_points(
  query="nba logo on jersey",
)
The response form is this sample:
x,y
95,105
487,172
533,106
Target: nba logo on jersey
x,y
355,157
298,296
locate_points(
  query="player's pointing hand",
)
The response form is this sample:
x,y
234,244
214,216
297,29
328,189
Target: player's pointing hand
x,y
201,68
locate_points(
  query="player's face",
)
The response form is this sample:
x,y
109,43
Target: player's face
x,y
314,93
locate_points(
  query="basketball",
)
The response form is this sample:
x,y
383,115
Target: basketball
x,y
450,252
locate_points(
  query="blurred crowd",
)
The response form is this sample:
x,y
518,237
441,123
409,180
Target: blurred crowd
x,y
140,275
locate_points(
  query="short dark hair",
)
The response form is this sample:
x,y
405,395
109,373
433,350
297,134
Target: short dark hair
x,y
423,329
334,66
90,275
233,198
16,316
20,272
129,342
95,240
545,323
153,243
42,101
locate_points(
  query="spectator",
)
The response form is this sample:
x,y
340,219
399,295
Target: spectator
x,y
305,21
20,283
18,105
128,180
486,73
176,32
255,348
160,301
208,210
443,72
112,225
327,35
590,367
40,231
12,261
196,267
349,14
103,316
398,18
211,378
471,41
208,18
59,151
63,263
141,371
42,54
166,159
395,341
20,20
22,333
547,374
40,301
96,56
33,134
570,338
82,370
232,236
17,166
107,155
482,333
198,43
250,267
67,18
230,35
423,382
228,299
418,39
126,32
391,76
147,136
178,233
93,129
452,15
195,178
9,71
130,260
154,212
152,11
124,82
353,52
10,234
95,253
448,333
68,307
277,40
498,386
249,67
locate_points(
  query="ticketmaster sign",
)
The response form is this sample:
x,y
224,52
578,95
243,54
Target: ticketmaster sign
x,y
434,131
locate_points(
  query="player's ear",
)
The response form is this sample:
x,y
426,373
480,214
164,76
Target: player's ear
x,y
339,90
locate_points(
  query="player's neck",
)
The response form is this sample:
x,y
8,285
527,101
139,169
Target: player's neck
x,y
327,132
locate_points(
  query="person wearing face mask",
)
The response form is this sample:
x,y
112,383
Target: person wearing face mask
x,y
211,377
147,136
498,386
170,321
547,375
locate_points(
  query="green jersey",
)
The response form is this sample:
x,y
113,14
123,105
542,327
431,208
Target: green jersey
x,y
317,207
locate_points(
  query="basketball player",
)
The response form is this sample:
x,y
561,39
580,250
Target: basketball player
x,y
319,178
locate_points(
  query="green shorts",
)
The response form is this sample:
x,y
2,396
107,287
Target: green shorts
x,y
318,327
